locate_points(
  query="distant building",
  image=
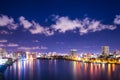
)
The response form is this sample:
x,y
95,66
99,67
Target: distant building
x,y
116,52
105,51
73,53
89,55
50,54
33,56
28,55
3,53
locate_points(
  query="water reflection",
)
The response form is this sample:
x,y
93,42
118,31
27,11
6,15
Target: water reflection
x,y
61,70
94,71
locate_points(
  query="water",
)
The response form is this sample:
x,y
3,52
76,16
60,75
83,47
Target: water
x,y
61,70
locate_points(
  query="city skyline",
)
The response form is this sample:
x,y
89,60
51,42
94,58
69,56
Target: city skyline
x,y
47,26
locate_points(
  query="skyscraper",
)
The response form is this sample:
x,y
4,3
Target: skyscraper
x,y
73,52
3,53
105,50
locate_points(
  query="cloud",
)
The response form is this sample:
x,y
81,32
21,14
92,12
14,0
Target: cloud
x,y
7,45
48,32
36,41
43,47
36,47
26,24
8,22
2,45
85,26
5,20
24,48
38,29
3,41
4,32
12,45
34,27
64,24
117,20
61,25
33,48
93,26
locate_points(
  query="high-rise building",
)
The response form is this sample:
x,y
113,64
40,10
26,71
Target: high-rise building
x,y
73,52
105,50
3,53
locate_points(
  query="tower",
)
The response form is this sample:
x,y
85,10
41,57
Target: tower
x,y
105,50
3,53
73,52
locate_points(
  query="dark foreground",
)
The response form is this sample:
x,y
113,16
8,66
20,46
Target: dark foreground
x,y
61,70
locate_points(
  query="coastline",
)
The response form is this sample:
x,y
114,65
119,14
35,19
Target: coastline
x,y
97,61
4,67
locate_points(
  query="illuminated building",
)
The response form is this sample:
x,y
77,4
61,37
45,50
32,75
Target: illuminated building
x,y
116,52
73,53
105,50
3,53
33,56
28,55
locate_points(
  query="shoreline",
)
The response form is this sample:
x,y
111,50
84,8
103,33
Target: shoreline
x,y
84,61
4,67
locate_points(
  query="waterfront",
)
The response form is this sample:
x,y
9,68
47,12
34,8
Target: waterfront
x,y
61,70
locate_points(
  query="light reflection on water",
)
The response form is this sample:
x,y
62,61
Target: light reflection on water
x,y
95,71
61,70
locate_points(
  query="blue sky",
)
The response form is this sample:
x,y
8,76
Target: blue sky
x,y
59,25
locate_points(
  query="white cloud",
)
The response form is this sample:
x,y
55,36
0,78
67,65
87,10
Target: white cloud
x,y
36,47
37,28
2,45
48,32
8,22
32,48
3,41
26,24
117,20
12,45
43,47
85,26
93,26
5,20
64,24
24,48
34,27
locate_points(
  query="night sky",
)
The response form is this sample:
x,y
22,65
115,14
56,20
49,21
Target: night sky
x,y
59,25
